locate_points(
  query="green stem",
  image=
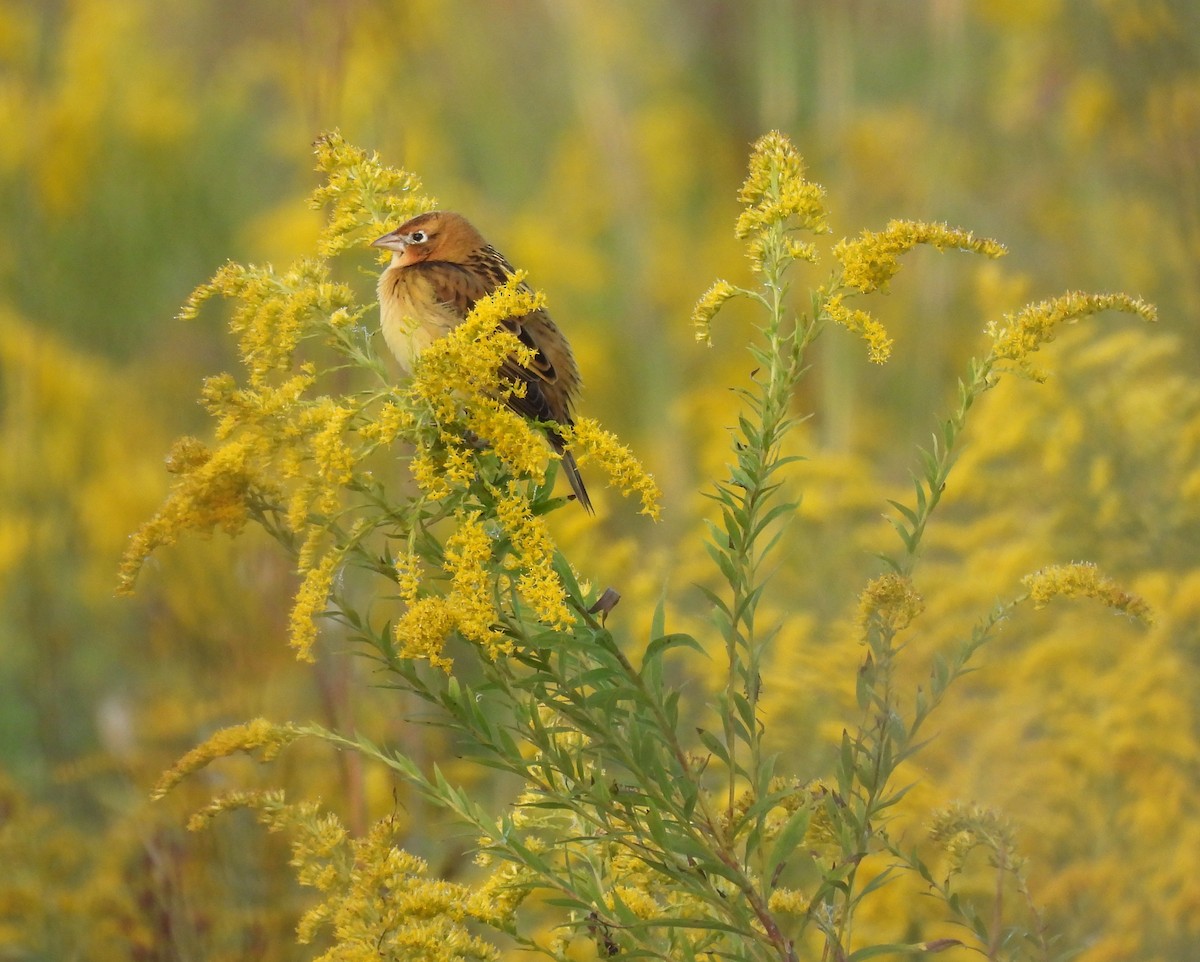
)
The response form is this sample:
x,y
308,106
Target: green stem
x,y
939,461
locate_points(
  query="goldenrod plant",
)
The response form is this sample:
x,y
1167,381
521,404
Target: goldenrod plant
x,y
420,515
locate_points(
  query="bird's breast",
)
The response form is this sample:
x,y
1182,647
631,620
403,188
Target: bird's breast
x,y
410,314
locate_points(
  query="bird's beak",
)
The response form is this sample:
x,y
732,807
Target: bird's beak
x,y
394,241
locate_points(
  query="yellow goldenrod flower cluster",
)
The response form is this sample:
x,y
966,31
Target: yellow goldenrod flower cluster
x,y
532,556
496,899
312,447
960,829
423,629
872,259
274,311
365,197
259,735
856,321
272,428
592,443
1083,580
1018,336
637,900
376,898
708,305
310,603
468,607
778,201
788,901
889,601
213,490
468,559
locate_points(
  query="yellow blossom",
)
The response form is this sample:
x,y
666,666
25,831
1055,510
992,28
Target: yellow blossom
x,y
309,604
779,200
533,554
1083,580
708,306
775,190
365,196
590,442
266,409
323,423
872,259
466,363
389,422
495,900
788,902
879,345
469,605
212,491
233,801
510,436
376,898
260,735
422,630
1020,335
639,901
408,577
891,601
458,466
468,560
959,829
429,474
273,312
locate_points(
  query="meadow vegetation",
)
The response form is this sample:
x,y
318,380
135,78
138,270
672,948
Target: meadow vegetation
x,y
846,705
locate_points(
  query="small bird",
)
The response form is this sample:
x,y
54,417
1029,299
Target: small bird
x,y
440,267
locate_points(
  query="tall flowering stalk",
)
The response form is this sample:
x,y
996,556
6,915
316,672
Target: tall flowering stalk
x,y
779,204
636,834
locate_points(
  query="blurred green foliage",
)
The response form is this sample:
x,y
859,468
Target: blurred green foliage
x,y
600,146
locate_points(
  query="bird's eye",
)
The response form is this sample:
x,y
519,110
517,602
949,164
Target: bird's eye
x,y
418,237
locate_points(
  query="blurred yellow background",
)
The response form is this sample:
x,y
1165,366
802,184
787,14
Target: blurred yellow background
x,y
600,146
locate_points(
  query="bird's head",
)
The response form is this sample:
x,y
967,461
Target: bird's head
x,y
434,236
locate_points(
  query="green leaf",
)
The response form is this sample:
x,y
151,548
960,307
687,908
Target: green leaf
x,y
716,600
877,882
863,686
919,488
769,516
664,643
745,711
845,772
930,463
790,836
713,744
940,675
659,621
890,563
724,562
562,568
909,514
909,538
670,707
895,948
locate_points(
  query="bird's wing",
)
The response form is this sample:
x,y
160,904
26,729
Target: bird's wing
x,y
550,377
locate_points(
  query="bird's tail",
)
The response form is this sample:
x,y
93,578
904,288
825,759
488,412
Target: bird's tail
x,y
576,480
573,475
